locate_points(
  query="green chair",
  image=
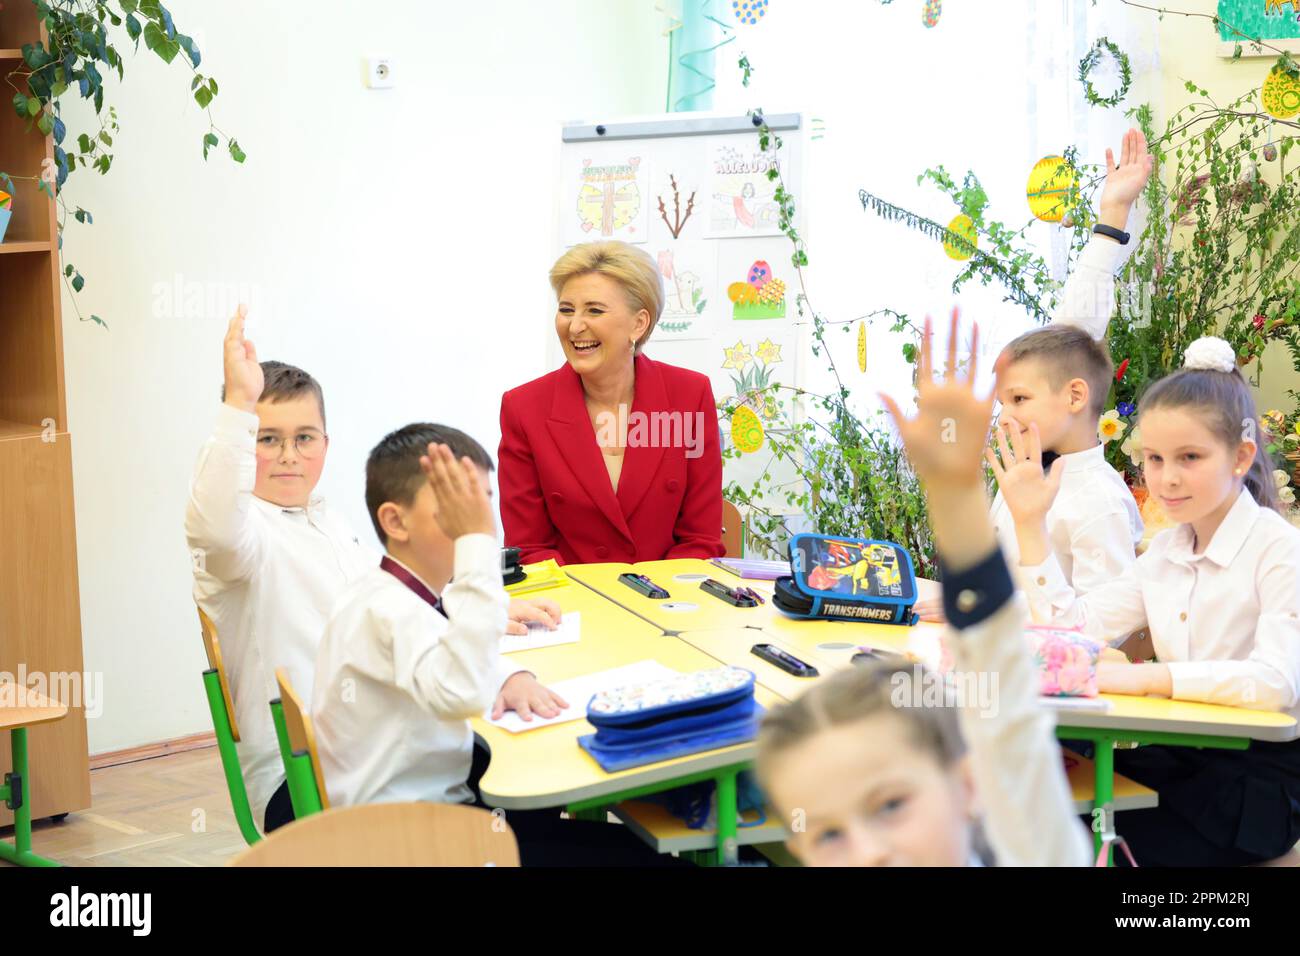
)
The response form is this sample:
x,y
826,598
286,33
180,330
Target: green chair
x,y
226,728
297,739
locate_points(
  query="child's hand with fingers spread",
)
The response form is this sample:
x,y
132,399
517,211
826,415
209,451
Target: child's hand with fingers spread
x,y
461,501
930,610
944,443
1027,491
522,612
525,696
945,439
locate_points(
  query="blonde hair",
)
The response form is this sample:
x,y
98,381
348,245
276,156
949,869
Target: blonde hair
x,y
630,267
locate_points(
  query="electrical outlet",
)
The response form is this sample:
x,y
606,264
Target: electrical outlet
x,y
379,73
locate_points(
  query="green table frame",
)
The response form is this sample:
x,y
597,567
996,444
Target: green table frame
x,y
724,778
15,792
1104,761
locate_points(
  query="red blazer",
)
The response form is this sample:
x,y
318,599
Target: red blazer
x,y
556,499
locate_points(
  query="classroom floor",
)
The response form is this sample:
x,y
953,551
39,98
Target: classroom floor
x,y
166,811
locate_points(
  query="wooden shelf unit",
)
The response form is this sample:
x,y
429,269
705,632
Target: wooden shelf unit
x,y
40,610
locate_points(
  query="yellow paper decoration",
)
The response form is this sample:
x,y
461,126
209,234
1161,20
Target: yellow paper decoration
x,y
1049,183
746,430
1281,94
862,347
963,226
742,292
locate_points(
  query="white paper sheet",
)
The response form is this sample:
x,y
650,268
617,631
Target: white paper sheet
x,y
578,690
569,632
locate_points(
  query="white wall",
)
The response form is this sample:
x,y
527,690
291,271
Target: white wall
x,y
394,243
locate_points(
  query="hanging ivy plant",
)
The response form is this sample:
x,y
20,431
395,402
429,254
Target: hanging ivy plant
x,y
1090,61
80,51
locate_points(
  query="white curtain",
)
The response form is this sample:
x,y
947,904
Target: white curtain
x,y
992,88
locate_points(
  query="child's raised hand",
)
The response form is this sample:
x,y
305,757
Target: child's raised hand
x,y
1019,472
244,378
1125,179
946,438
461,501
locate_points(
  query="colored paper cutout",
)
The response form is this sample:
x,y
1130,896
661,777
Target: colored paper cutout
x,y
963,226
746,430
1281,94
1050,182
930,15
749,12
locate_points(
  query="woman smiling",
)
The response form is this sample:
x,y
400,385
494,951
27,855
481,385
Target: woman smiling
x,y
613,457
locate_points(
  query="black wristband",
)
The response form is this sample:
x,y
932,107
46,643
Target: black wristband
x,y
1119,235
972,595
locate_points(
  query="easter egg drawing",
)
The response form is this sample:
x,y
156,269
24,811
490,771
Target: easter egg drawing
x,y
746,430
1050,182
1281,94
930,15
963,226
759,273
749,12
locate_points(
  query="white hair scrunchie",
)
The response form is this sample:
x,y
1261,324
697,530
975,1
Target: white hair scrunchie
x,y
1210,352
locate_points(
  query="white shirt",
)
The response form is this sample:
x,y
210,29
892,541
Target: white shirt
x,y
1093,526
396,682
267,576
1029,816
1224,621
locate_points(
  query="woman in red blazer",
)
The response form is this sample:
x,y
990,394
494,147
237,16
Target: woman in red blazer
x,y
612,457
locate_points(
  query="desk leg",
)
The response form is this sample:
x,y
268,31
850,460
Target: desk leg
x,y
728,852
1103,789
20,851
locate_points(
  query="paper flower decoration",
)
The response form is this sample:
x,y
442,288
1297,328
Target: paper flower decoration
x,y
1050,182
1109,426
746,430
1280,478
1119,372
761,296
930,15
1281,94
963,226
749,11
1287,496
862,347
1126,408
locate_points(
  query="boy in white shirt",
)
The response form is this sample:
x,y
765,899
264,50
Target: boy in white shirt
x,y
269,557
398,675
1058,379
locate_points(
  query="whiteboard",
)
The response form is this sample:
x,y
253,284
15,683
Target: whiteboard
x,y
691,189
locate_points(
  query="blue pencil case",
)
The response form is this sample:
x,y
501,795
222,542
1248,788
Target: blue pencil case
x,y
847,579
671,717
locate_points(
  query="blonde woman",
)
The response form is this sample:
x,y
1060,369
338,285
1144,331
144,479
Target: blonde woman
x,y
613,456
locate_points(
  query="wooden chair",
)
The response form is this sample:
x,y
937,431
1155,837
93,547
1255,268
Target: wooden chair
x,y
226,728
733,531
389,834
298,750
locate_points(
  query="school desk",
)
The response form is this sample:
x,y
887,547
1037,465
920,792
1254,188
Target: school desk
x,y
21,708
547,768
733,647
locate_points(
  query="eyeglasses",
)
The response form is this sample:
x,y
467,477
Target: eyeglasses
x,y
307,444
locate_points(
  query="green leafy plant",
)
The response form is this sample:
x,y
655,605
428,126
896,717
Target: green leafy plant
x,y
82,49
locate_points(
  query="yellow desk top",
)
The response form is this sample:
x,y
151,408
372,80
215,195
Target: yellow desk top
x,y
546,767
731,646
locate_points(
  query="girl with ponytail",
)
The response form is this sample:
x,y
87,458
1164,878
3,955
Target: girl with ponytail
x,y
1220,595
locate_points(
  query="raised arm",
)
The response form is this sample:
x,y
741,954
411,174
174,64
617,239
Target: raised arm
x,y
219,526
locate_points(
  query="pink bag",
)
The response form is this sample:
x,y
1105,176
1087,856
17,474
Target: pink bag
x,y
1103,855
1066,659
